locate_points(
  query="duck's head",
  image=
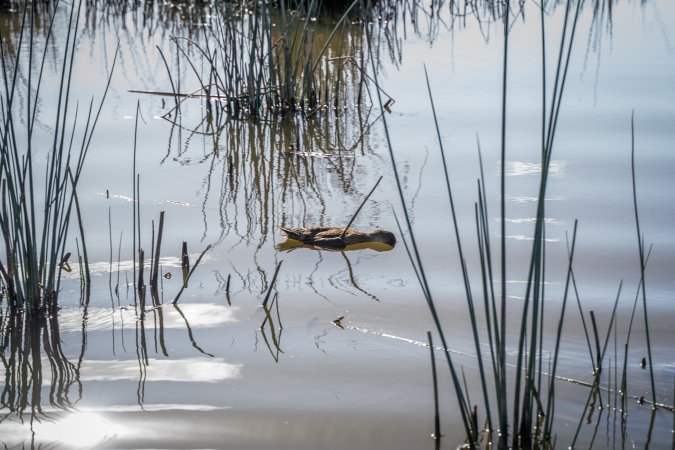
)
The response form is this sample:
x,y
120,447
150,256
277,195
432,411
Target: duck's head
x,y
384,236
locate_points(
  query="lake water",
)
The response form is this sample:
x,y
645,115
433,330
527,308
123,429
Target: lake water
x,y
204,374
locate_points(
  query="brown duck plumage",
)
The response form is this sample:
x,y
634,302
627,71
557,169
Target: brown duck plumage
x,y
330,236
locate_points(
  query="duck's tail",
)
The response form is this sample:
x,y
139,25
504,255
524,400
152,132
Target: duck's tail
x,y
291,233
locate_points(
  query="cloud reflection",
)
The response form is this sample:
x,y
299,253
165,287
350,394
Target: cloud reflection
x,y
157,407
189,370
193,370
77,430
104,267
527,220
199,315
525,199
521,237
518,168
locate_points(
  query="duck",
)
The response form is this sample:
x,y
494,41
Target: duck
x,y
332,237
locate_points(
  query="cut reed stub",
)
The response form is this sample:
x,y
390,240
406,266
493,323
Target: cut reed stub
x,y
227,289
185,264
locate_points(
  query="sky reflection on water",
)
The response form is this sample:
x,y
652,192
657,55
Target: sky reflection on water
x,y
242,180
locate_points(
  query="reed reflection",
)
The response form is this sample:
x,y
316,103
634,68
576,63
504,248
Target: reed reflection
x,y
38,376
33,361
268,305
163,18
275,330
290,170
178,319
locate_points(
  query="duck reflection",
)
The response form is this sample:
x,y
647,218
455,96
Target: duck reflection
x,y
291,244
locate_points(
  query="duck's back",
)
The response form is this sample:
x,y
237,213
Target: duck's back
x,y
311,235
337,237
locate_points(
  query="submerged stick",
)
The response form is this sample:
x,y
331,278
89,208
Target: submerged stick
x,y
8,274
185,264
268,314
640,240
155,269
598,362
141,283
86,273
141,264
168,72
359,208
227,289
274,279
179,94
437,419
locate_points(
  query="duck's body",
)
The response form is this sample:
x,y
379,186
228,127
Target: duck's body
x,y
332,236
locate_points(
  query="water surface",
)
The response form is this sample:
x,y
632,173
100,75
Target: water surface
x,y
204,374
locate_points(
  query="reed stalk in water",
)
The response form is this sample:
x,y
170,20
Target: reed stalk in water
x,y
523,401
437,417
641,254
35,223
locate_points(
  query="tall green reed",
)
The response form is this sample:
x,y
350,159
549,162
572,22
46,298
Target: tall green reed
x,y
37,201
519,404
519,392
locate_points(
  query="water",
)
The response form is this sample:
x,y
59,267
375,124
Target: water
x,y
203,374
